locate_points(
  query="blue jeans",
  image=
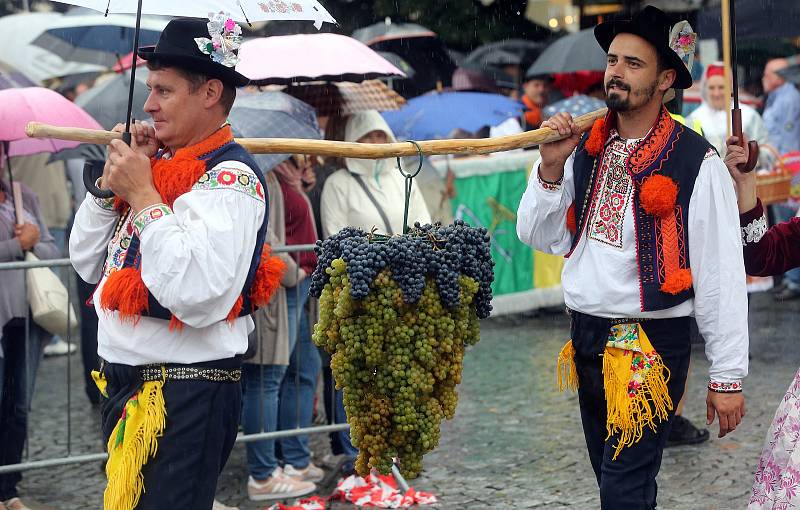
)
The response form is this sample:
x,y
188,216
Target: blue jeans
x,y
783,212
260,387
18,364
299,383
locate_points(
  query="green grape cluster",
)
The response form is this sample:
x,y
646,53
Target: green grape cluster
x,y
398,364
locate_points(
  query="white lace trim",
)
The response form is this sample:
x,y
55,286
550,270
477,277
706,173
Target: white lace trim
x,y
754,231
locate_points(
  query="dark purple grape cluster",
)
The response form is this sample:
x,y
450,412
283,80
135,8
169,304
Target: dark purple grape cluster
x,y
441,252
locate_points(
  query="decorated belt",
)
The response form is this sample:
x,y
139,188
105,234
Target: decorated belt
x,y
189,373
617,320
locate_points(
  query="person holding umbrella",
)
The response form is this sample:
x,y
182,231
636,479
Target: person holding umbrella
x,y
180,259
646,213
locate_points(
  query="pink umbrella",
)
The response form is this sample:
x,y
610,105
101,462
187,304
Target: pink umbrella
x,y
311,57
20,106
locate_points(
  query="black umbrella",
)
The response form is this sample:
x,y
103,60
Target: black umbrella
x,y
386,31
757,19
519,52
571,53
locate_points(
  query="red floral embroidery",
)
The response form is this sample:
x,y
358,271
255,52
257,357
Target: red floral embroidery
x,y
227,178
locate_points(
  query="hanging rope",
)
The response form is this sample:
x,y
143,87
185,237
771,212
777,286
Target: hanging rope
x,y
409,182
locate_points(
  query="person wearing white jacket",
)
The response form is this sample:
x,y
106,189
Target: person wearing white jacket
x,y
346,202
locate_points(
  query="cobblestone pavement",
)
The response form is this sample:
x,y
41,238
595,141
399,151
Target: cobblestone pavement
x,y
515,442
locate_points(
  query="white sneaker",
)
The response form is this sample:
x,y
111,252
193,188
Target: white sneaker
x,y
16,504
278,486
221,506
59,348
331,461
310,473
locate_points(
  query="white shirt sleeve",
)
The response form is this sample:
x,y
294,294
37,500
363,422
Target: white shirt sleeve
x,y
88,241
196,260
715,254
542,213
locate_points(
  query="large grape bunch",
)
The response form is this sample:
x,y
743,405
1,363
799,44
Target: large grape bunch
x,y
396,314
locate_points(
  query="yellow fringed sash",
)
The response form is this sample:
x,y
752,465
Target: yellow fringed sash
x,y
635,382
133,442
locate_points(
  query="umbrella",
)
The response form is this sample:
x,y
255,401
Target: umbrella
x,y
11,78
399,62
97,39
346,98
17,32
106,102
20,106
311,57
387,30
240,10
417,45
272,114
435,115
575,105
509,52
757,19
574,52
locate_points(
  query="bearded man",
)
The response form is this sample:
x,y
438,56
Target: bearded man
x,y
645,212
179,262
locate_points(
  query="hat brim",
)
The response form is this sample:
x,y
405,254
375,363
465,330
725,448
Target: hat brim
x,y
606,32
200,65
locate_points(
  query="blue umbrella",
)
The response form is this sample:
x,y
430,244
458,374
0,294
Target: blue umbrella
x,y
575,105
272,114
95,44
437,114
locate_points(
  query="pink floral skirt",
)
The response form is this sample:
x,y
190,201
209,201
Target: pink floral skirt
x,y
777,480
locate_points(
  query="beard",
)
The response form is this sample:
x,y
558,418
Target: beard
x,y
634,99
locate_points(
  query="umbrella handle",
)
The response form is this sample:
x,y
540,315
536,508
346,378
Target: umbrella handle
x,y
91,174
752,145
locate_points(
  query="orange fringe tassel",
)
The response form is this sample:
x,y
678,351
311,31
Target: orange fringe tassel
x,y
572,222
125,293
597,137
175,324
658,195
236,310
268,278
677,281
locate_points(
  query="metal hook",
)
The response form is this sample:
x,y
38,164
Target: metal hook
x,y
409,182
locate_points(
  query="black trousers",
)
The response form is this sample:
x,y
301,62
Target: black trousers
x,y
201,426
629,482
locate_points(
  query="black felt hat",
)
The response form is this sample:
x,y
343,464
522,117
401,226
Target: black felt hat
x,y
178,46
651,24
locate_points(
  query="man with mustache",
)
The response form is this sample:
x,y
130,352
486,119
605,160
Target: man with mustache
x,y
645,212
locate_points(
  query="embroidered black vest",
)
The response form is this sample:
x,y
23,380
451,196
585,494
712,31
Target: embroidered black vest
x,y
672,150
231,151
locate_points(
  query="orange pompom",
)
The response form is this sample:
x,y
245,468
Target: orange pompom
x,y
236,310
659,195
677,281
572,223
268,278
597,137
124,292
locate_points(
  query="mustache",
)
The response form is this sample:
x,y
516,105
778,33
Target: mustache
x,y
613,82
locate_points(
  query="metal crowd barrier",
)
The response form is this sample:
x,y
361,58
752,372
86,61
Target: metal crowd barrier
x,y
69,458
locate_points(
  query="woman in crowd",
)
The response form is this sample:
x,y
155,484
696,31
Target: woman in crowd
x,y
712,113
19,356
769,252
263,373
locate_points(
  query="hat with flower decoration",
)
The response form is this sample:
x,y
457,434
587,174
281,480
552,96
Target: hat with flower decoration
x,y
676,45
208,47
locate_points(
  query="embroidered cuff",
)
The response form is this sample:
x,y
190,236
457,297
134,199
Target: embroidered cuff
x,y
754,225
550,186
148,215
720,387
103,203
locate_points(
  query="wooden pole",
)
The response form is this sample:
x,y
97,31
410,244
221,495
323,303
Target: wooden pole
x,y
726,59
347,149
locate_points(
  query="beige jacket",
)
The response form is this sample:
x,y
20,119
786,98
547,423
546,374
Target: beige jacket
x,y
272,322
